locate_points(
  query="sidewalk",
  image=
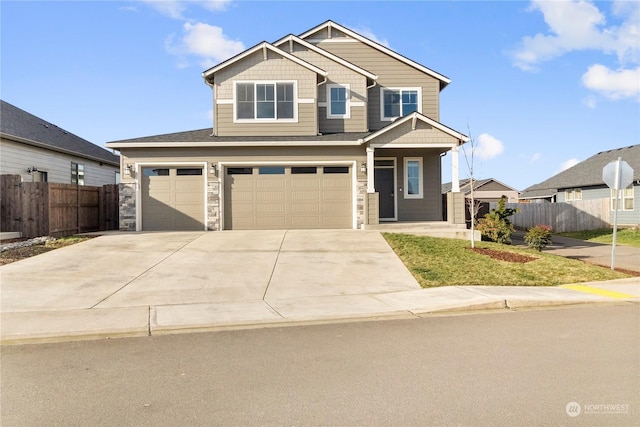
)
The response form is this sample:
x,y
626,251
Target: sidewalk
x,y
151,284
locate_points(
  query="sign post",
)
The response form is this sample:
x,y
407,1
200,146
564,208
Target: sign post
x,y
617,175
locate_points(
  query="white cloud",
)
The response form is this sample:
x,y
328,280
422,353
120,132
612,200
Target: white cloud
x,y
488,147
568,164
366,32
590,102
535,157
176,8
578,25
205,41
622,83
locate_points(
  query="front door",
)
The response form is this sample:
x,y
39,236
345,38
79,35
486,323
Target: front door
x,y
385,187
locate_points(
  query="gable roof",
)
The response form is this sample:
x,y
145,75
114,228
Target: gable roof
x,y
477,184
20,126
418,116
326,54
587,173
444,81
266,46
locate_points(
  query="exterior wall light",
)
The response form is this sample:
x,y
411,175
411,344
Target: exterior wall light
x,y
213,169
363,167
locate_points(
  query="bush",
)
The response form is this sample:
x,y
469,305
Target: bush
x,y
538,237
495,226
495,229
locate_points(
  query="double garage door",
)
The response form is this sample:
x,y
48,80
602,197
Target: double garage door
x,y
172,198
288,197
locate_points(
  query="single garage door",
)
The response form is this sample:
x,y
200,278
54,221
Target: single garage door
x,y
172,198
288,197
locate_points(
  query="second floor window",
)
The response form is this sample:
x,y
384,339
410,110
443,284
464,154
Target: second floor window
x,y
338,101
398,102
265,101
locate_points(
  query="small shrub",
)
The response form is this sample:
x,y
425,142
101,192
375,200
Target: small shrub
x,y
538,237
495,229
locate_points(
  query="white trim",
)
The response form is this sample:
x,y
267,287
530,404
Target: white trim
x,y
406,194
138,185
347,114
395,186
351,163
462,138
374,45
189,144
333,40
357,104
306,101
255,84
264,45
326,54
224,101
390,119
417,145
371,187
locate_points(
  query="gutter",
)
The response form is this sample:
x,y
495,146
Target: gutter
x,y
213,96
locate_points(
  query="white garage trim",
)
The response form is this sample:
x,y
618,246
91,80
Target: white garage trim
x,y
138,170
354,181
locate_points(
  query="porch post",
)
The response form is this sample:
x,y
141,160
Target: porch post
x,y
370,170
455,180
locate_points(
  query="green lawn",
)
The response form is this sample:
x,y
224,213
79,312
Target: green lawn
x,y
626,236
450,262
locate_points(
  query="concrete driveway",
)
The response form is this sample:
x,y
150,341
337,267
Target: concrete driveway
x,y
177,268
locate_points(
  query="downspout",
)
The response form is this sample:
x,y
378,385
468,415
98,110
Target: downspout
x,y
371,86
317,115
213,96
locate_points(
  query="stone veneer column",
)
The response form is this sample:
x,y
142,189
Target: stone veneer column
x,y
361,209
127,206
213,205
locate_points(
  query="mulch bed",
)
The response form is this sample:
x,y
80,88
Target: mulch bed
x,y
504,256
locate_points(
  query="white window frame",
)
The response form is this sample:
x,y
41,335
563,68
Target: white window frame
x,y
405,173
347,114
255,101
383,89
623,195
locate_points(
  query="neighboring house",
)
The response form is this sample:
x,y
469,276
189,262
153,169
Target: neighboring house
x,y
584,182
327,129
39,151
485,190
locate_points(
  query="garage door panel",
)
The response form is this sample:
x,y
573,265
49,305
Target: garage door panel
x,y
285,197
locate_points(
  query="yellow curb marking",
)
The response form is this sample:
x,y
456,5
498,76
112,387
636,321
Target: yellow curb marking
x,y
597,291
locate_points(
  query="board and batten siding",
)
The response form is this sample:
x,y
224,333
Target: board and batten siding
x,y
429,207
275,68
17,157
391,73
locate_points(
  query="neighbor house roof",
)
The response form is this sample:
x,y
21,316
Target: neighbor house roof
x,y
587,173
444,81
23,127
477,185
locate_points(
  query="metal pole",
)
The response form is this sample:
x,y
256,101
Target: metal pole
x,y
615,214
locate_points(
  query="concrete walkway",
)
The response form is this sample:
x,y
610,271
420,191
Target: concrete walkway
x,y
138,284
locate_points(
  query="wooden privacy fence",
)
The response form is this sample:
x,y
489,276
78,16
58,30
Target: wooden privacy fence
x,y
575,216
50,209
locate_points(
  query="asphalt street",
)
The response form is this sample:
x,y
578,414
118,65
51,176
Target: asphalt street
x,y
563,366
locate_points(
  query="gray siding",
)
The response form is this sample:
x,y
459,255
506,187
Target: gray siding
x,y
625,217
429,207
391,73
15,158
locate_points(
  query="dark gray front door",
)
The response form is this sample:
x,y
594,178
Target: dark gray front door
x,y
384,185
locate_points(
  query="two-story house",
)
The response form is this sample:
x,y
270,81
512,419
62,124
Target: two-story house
x,y
327,129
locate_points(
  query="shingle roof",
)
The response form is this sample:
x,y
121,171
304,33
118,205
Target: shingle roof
x,y
477,183
588,172
17,123
204,135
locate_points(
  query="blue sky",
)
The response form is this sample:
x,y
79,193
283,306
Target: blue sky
x,y
538,85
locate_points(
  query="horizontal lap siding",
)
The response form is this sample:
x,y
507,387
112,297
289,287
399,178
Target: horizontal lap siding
x,y
17,157
306,124
391,73
422,134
